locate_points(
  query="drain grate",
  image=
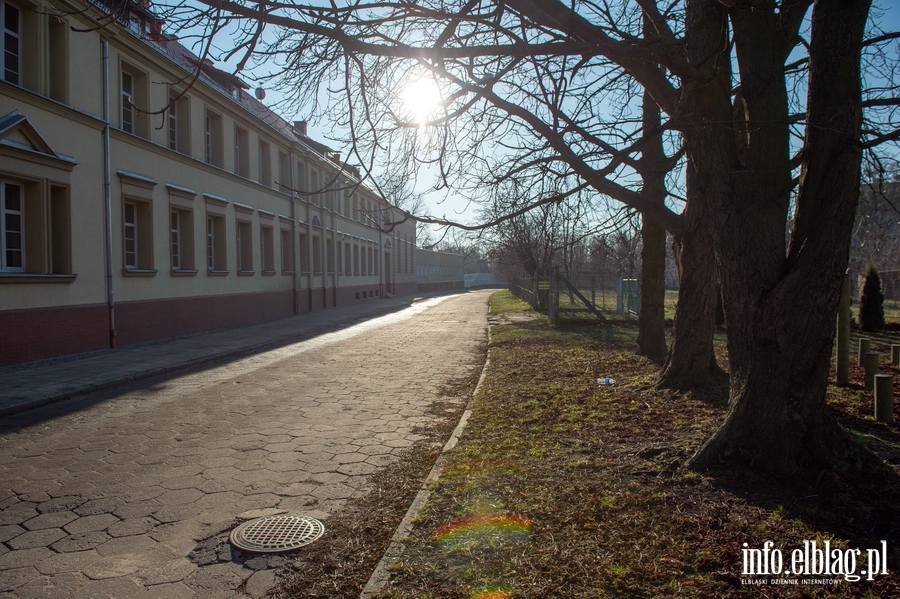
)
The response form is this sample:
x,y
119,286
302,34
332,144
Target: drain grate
x,y
281,532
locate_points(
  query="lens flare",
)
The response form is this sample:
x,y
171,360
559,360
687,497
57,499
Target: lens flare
x,y
483,526
503,593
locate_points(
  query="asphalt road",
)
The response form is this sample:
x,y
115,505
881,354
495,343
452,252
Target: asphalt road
x,y
118,494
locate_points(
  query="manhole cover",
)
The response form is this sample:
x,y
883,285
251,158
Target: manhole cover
x,y
281,532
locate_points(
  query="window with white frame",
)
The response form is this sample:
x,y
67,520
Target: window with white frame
x,y
245,246
213,138
137,235
12,224
216,256
127,102
11,32
179,124
241,152
267,247
35,228
265,163
133,87
175,225
287,251
181,224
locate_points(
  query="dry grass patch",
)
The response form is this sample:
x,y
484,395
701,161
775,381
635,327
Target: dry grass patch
x,y
565,488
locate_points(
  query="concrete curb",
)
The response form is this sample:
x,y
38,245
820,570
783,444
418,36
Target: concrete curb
x,y
380,576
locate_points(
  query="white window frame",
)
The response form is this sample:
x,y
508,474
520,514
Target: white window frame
x,y
132,228
176,240
173,124
5,214
129,122
5,35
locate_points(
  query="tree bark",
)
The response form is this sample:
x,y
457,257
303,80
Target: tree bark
x,y
651,339
691,361
780,307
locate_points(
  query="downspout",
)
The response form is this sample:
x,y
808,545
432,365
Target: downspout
x,y
294,243
380,257
107,196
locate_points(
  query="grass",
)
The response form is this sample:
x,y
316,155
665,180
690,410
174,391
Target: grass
x,y
562,488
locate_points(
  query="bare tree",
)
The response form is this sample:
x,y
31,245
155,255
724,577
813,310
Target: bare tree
x,y
545,91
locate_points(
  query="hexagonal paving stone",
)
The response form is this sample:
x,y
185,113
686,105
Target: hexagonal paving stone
x,y
36,538
67,562
179,497
90,524
50,520
80,542
132,526
10,531
15,578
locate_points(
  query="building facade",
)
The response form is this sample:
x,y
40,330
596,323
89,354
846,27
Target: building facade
x,y
146,194
439,271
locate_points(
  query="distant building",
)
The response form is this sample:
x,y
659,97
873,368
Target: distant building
x,y
119,226
439,271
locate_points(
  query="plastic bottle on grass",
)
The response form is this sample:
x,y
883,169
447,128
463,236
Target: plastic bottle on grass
x,y
606,381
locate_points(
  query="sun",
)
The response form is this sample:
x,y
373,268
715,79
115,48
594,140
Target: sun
x,y
421,100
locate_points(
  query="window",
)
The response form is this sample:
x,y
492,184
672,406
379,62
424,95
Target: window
x,y
355,259
12,224
355,202
133,96
329,255
181,224
377,254
267,245
213,138
216,257
304,253
12,42
175,222
241,152
340,258
348,259
317,255
127,103
244,247
137,235
179,125
371,261
265,163
287,251
284,171
34,228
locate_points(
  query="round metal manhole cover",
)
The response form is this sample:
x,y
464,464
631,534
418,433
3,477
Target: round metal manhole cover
x,y
281,532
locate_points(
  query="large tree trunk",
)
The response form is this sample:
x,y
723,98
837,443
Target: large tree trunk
x,y
780,309
651,338
691,362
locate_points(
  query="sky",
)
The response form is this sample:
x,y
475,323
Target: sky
x,y
457,208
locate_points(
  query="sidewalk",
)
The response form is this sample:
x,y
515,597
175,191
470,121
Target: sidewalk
x,y
35,384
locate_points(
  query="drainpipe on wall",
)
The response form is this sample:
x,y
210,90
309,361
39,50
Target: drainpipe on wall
x,y
294,244
380,257
107,196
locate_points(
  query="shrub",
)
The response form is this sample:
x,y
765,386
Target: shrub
x,y
871,305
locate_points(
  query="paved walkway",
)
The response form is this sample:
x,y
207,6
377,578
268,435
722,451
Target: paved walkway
x,y
129,491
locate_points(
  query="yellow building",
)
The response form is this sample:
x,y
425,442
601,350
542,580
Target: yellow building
x,y
439,271
135,205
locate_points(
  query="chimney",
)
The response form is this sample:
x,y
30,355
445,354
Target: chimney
x,y
300,127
